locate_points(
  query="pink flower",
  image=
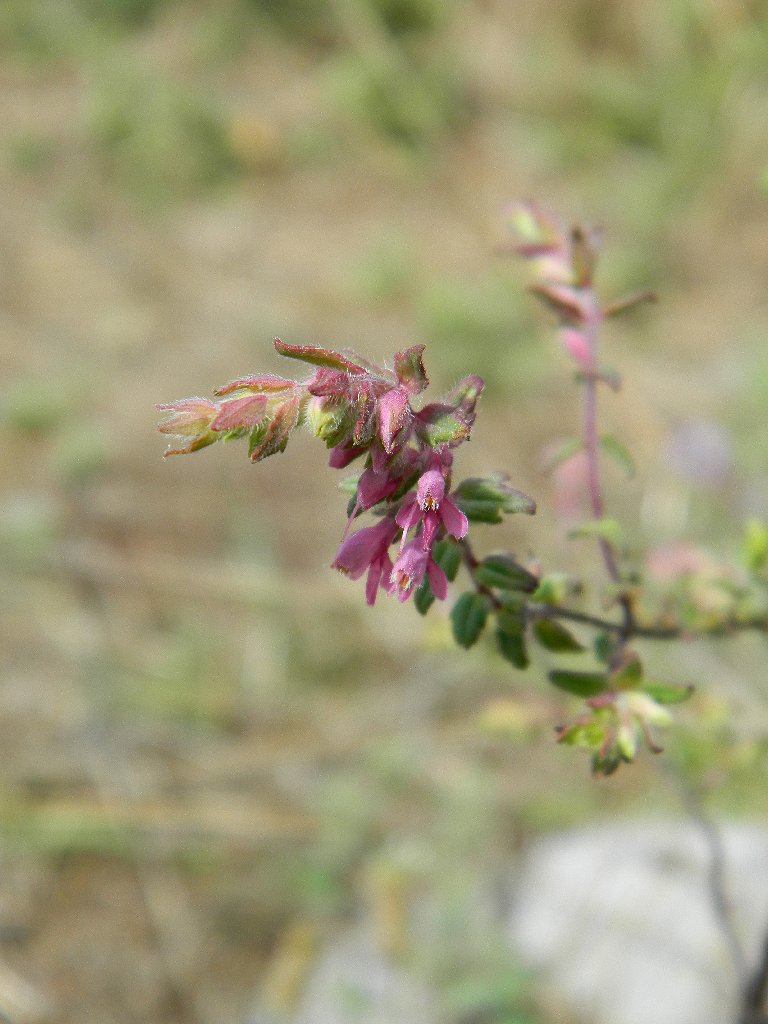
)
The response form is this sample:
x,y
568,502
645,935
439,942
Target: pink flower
x,y
368,549
413,564
431,505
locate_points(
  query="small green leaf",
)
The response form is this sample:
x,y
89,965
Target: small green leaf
x,y
424,598
613,447
447,554
512,647
555,637
504,573
497,491
606,529
582,684
468,618
667,693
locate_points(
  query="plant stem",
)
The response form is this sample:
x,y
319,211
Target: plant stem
x,y
591,332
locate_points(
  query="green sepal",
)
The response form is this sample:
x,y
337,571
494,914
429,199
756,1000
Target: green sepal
x,y
667,693
613,447
504,573
447,554
468,618
555,637
423,598
581,684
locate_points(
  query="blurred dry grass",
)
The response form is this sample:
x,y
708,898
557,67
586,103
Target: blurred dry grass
x,y
210,746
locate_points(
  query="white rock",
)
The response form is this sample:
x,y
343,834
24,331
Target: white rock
x,y
620,919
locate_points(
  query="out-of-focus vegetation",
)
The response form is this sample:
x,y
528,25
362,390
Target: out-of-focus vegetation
x,y
208,741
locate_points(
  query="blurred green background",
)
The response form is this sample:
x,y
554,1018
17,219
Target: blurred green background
x,y
213,754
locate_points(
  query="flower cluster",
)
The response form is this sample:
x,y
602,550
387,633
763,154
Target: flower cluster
x,y
362,411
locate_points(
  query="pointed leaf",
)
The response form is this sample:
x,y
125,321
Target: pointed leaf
x,y
613,447
555,637
468,618
318,356
629,674
582,684
494,491
512,647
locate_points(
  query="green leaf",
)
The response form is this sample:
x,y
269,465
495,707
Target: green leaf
x,y
468,618
447,554
504,573
424,598
494,490
667,693
613,447
605,529
512,647
479,511
582,684
555,637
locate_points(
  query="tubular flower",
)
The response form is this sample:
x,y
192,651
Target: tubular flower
x,y
413,564
368,549
431,505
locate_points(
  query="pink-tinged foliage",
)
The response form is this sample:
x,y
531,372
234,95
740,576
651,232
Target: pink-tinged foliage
x,y
240,413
